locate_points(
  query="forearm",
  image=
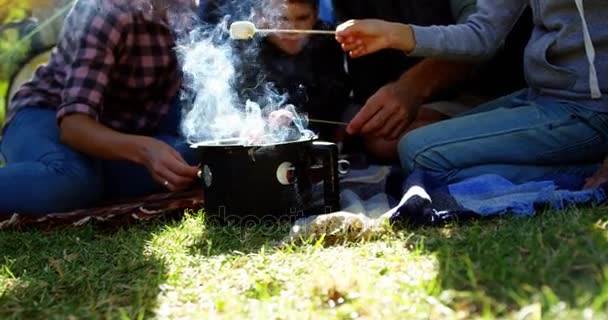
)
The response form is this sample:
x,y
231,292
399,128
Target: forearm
x,y
432,76
478,38
86,135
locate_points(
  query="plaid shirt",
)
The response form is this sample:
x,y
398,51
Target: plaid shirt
x,y
116,65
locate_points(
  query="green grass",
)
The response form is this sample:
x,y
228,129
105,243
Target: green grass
x,y
550,266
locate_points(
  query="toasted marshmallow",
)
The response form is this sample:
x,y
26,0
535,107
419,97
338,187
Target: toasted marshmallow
x,y
242,30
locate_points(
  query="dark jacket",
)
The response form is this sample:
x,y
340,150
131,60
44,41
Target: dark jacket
x,y
500,75
371,72
314,80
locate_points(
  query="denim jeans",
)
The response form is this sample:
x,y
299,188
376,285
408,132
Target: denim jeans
x,y
518,138
43,175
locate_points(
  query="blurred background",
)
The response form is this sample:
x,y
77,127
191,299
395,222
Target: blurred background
x,y
28,30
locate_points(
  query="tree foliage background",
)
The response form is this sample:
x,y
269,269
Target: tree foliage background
x,y
21,24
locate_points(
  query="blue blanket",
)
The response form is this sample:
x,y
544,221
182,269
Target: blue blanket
x,y
419,199
426,201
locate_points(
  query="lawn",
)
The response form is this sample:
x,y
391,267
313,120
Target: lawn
x,y
550,266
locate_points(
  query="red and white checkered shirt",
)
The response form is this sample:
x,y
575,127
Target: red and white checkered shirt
x,y
115,64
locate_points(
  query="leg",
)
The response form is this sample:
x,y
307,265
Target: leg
x,y
42,175
520,140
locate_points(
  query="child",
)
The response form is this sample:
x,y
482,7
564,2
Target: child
x,y
307,69
97,119
559,123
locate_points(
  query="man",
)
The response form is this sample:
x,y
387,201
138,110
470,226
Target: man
x,y
99,119
397,93
557,125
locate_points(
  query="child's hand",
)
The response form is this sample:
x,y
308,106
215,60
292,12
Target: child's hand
x,y
362,37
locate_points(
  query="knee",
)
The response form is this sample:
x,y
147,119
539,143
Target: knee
x,y
410,146
422,148
430,150
381,149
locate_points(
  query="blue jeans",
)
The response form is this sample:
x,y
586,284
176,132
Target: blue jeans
x,y
515,137
42,175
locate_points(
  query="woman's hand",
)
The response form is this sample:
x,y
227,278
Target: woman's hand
x,y
166,165
362,37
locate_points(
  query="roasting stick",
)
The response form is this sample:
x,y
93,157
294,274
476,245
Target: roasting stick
x,y
328,122
305,31
243,30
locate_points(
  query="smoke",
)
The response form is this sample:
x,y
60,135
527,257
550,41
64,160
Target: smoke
x,y
214,109
215,112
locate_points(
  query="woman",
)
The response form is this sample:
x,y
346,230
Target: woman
x,y
100,119
558,124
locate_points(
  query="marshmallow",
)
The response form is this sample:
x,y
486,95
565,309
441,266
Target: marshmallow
x,y
242,30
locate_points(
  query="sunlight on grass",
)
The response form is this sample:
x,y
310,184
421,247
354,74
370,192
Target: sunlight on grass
x,y
296,283
553,266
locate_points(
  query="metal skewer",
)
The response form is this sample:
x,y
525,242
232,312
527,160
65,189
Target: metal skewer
x,y
329,32
244,30
338,123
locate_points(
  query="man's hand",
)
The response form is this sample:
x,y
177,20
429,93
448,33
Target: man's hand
x,y
166,165
387,114
600,177
362,37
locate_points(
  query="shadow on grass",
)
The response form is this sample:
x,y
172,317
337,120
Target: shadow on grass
x,y
83,273
94,272
506,264
244,236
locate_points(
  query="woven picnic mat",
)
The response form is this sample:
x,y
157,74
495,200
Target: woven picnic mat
x,y
110,214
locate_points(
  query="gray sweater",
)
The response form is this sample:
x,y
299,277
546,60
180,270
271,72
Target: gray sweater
x,y
566,58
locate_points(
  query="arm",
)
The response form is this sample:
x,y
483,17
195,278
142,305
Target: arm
x,y
432,76
88,136
83,133
394,107
82,100
479,37
391,111
86,80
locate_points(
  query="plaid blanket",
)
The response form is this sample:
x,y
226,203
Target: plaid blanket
x,y
111,214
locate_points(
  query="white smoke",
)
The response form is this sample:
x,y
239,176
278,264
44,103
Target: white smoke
x,y
209,75
215,114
